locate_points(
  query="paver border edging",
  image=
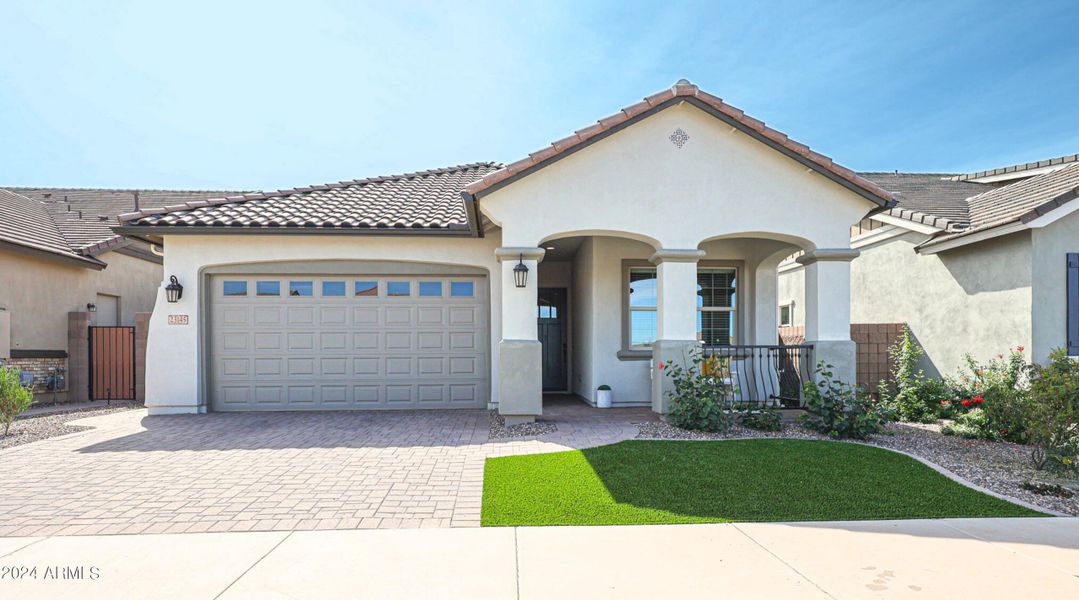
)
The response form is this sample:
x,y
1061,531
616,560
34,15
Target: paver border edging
x,y
939,469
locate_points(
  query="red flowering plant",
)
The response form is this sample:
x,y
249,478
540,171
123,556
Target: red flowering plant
x,y
998,387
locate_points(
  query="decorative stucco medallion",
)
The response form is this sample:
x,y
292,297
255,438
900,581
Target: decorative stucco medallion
x,y
679,137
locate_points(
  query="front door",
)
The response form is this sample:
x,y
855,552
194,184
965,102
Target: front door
x,y
551,313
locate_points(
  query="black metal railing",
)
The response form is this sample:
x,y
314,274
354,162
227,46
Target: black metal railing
x,y
762,375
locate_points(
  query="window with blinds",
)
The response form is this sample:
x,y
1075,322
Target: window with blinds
x,y
717,303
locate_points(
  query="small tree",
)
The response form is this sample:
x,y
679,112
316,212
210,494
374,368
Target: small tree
x,y
14,397
914,397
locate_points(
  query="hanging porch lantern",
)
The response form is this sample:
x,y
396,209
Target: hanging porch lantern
x,y
520,273
174,291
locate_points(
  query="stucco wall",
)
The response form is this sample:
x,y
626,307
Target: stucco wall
x,y
974,299
38,293
174,380
1050,246
721,182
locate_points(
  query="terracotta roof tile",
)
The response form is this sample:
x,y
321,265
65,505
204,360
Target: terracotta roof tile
x,y
683,89
424,200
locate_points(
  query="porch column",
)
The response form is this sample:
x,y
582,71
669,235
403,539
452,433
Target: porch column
x,y
827,297
676,316
520,358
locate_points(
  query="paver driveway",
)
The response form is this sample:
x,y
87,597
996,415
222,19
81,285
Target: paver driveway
x,y
272,471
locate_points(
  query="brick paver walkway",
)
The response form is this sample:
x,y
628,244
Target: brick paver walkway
x,y
273,471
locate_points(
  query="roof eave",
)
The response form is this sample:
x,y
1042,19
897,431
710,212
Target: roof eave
x,y
165,230
86,262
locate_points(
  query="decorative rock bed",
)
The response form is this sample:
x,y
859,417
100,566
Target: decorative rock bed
x,y
499,431
998,466
32,429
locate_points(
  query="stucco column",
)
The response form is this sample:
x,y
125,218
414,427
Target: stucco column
x,y
827,305
520,357
676,316
765,304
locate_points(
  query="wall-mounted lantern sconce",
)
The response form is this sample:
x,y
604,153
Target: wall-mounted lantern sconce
x,y
90,306
520,273
174,291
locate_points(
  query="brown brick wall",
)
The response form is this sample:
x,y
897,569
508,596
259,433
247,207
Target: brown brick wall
x,y
873,341
42,368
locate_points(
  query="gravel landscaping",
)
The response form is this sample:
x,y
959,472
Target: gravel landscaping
x,y
32,429
998,466
499,431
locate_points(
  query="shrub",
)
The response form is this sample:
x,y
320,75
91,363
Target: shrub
x,y
839,409
699,398
14,398
999,388
913,397
1053,417
762,419
973,424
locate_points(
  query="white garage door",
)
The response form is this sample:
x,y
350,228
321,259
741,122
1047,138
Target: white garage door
x,y
352,342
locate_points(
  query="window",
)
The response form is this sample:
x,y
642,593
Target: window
x,y
333,288
431,289
547,311
235,288
785,315
717,299
268,288
642,306
461,289
301,288
366,288
398,288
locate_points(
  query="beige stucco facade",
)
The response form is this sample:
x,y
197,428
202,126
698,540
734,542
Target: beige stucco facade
x,y
37,293
633,196
974,299
1050,245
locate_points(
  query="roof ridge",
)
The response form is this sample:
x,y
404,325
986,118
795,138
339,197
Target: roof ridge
x,y
1048,162
122,218
1024,183
90,189
943,175
684,89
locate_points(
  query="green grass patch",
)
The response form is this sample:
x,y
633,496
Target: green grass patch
x,y
648,482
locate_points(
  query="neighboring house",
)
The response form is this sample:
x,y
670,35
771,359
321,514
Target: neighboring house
x,y
58,255
588,262
973,263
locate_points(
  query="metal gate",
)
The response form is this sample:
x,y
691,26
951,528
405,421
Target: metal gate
x,y
112,363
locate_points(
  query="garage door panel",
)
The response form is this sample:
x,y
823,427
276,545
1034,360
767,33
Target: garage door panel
x,y
281,352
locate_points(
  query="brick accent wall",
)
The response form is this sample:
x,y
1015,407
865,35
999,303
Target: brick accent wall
x,y
78,356
42,368
873,341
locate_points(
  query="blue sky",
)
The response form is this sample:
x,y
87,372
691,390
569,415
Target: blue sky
x,y
264,95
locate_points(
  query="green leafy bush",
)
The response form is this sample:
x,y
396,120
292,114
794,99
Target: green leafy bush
x,y
762,419
999,389
973,424
1053,416
839,409
699,399
912,396
14,398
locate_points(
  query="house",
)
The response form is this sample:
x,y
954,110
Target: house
x,y
973,263
58,256
589,262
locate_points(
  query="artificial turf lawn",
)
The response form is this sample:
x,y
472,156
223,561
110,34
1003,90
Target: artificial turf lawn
x,y
647,482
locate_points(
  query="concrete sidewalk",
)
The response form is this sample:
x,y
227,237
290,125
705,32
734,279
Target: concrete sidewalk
x,y
954,558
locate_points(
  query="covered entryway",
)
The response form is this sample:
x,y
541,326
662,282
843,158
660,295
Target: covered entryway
x,y
304,342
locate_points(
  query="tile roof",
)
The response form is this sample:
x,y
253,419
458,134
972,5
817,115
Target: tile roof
x,y
935,199
422,201
1041,164
26,222
85,217
683,89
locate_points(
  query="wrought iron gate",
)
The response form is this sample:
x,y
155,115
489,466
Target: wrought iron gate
x,y
112,363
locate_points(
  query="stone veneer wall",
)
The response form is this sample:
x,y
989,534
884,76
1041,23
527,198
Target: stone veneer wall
x,y
873,341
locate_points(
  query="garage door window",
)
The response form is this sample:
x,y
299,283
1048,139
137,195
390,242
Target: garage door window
x,y
431,289
235,288
461,289
300,288
333,288
398,288
268,288
367,288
